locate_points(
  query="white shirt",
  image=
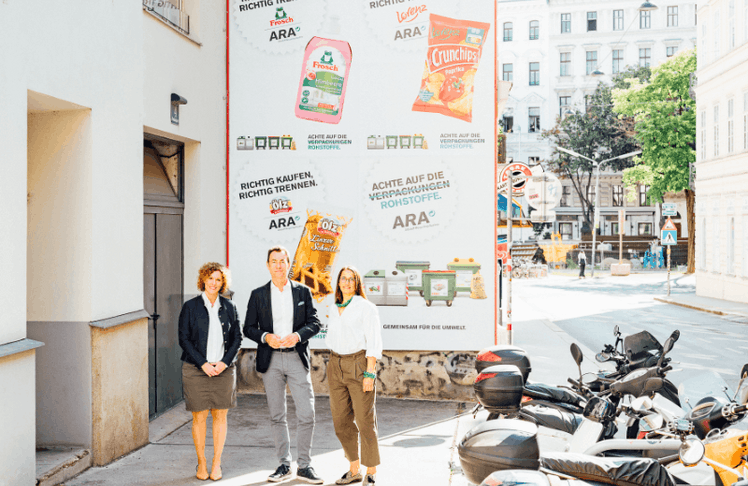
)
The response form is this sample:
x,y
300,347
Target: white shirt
x,y
215,348
356,329
281,304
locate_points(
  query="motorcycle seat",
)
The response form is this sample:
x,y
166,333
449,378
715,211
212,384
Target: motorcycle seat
x,y
551,418
619,471
541,391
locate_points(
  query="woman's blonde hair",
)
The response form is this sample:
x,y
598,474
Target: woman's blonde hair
x,y
207,270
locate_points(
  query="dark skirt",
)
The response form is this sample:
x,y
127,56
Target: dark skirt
x,y
203,392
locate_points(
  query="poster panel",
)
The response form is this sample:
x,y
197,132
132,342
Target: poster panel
x,y
361,134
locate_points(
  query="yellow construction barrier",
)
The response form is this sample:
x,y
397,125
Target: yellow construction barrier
x,y
556,251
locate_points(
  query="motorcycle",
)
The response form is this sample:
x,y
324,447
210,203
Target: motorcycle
x,y
496,389
722,450
639,350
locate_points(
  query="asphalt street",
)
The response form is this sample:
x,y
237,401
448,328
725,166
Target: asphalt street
x,y
588,309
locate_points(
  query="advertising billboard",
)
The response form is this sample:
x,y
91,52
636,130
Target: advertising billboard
x,y
363,133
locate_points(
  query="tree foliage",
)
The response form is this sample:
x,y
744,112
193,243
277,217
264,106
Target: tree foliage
x,y
665,117
597,132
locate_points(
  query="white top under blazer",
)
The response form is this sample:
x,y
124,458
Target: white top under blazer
x,y
215,348
356,329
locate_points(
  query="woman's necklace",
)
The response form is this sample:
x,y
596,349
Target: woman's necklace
x,y
344,304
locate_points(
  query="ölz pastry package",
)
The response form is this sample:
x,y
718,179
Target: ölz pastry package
x,y
318,246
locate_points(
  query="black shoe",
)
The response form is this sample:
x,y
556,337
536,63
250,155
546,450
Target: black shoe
x,y
283,472
307,474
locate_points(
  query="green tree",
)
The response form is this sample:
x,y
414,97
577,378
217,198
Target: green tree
x,y
599,133
665,117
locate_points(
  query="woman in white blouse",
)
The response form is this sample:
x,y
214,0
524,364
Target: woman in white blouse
x,y
354,337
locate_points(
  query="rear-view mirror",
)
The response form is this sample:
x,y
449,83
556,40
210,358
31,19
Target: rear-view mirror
x,y
576,353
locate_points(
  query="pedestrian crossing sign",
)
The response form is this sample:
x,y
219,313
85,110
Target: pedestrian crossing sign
x,y
669,237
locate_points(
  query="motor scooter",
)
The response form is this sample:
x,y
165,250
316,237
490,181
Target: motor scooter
x,y
496,390
721,451
639,350
509,444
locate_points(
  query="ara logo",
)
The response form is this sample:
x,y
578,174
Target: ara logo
x,y
409,33
283,222
280,205
284,33
329,227
412,220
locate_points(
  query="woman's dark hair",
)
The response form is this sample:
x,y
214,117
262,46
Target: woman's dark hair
x,y
359,285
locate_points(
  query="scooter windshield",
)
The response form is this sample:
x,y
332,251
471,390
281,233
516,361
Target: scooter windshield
x,y
702,384
708,384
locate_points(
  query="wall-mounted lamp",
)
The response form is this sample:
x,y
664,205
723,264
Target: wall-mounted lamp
x,y
647,7
176,100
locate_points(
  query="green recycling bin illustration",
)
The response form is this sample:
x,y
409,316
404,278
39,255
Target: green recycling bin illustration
x,y
465,268
413,269
439,285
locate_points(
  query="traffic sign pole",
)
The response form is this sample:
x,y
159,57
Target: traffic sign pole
x,y
510,262
668,271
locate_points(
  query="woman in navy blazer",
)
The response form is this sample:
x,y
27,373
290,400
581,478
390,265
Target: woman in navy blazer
x,y
210,337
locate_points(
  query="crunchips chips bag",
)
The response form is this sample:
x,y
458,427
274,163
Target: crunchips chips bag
x,y
451,63
318,247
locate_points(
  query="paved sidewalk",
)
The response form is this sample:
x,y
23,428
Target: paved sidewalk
x,y
707,304
418,438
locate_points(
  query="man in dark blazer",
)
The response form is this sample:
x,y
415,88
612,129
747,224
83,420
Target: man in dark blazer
x,y
281,319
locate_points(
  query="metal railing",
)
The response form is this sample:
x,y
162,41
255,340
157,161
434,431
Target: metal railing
x,y
169,13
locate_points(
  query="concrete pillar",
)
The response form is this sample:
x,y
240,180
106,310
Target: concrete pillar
x,y
17,422
119,363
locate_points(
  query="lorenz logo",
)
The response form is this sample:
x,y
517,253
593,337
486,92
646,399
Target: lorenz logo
x,y
329,227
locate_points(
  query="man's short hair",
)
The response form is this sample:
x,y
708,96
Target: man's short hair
x,y
281,249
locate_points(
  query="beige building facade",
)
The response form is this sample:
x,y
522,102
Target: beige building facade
x,y
722,151
90,162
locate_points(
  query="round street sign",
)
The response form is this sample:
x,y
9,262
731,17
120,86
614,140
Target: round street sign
x,y
520,173
544,190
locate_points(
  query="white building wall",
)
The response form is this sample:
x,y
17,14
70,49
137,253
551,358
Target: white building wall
x,y
722,151
547,50
604,40
89,54
17,441
171,69
81,83
520,52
